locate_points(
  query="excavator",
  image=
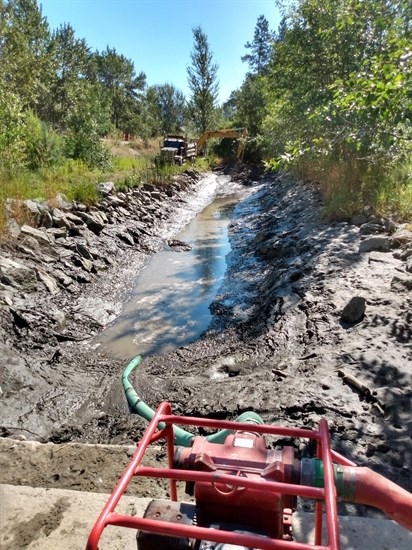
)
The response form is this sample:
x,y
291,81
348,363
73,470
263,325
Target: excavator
x,y
242,490
238,133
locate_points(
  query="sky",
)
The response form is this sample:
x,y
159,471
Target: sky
x,y
157,34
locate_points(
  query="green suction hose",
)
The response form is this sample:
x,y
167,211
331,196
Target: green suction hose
x,y
182,437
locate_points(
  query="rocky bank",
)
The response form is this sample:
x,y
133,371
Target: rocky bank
x,y
313,320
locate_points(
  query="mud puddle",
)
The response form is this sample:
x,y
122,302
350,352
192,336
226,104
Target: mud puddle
x,y
169,304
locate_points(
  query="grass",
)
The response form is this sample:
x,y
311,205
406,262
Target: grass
x,y
351,185
77,182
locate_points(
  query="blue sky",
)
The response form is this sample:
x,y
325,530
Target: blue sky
x,y
157,34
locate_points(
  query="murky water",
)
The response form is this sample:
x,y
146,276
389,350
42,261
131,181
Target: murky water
x,y
169,305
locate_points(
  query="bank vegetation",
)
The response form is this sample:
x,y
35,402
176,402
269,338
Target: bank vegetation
x,y
327,96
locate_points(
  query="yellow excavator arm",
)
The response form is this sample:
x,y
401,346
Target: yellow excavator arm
x,y
238,133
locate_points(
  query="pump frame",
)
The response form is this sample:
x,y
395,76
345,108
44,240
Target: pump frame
x,y
325,497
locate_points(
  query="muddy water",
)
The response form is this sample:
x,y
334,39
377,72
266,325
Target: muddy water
x,y
169,305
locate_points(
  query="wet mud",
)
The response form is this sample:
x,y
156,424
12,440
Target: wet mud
x,y
278,344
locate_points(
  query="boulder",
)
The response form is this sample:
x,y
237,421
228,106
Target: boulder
x,y
59,218
371,228
409,264
106,188
39,234
382,244
354,310
402,237
48,281
33,210
95,221
72,218
63,203
17,275
359,219
46,219
400,285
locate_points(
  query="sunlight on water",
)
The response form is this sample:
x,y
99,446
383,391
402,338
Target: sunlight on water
x,y
169,305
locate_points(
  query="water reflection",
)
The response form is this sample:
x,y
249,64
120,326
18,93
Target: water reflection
x,y
169,306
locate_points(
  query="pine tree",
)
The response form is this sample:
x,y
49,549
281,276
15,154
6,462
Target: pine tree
x,y
203,83
261,47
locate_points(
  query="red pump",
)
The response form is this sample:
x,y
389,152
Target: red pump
x,y
245,493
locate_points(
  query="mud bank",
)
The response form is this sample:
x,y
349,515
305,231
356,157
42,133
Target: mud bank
x,y
279,344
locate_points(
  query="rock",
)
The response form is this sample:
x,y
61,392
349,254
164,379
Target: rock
x,y
46,219
63,279
401,285
354,309
17,275
409,264
106,188
13,228
95,221
57,232
371,228
375,243
33,210
39,234
48,281
402,237
85,264
59,218
179,246
116,201
84,251
125,237
72,218
63,203
359,219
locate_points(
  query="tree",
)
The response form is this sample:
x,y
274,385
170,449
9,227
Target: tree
x,y
260,48
171,108
124,88
70,57
25,63
203,83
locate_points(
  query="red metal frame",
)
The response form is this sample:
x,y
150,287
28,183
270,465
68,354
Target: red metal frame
x,y
325,497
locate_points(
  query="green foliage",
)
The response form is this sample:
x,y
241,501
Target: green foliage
x,y
169,109
43,147
203,83
11,134
340,99
260,48
116,74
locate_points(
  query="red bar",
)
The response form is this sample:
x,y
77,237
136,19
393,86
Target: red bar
x,y
215,535
238,481
245,426
120,488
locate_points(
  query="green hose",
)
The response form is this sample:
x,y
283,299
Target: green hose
x,y
182,437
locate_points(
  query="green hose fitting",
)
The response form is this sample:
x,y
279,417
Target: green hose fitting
x,y
312,475
181,437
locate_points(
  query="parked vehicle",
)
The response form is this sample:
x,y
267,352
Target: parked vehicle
x,y
177,150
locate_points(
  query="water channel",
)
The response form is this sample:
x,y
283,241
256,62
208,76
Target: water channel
x,y
169,304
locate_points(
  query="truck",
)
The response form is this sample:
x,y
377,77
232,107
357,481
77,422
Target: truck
x,y
177,150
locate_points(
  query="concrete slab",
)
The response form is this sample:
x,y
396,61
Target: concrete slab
x,y
57,519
